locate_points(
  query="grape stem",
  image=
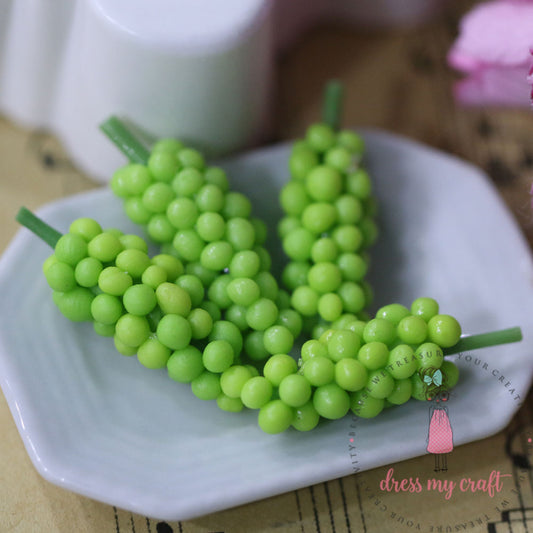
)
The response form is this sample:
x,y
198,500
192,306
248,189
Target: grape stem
x,y
37,226
125,141
484,340
332,105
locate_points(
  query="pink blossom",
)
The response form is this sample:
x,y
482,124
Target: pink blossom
x,y
493,51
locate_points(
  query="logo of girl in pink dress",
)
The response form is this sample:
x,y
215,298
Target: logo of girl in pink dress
x,y
440,435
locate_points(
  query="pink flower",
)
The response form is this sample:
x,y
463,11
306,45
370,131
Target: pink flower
x,y
493,51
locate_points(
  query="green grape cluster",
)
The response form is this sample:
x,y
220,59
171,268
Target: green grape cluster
x,y
188,208
327,226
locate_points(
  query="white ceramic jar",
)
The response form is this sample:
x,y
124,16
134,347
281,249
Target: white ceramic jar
x,y
200,70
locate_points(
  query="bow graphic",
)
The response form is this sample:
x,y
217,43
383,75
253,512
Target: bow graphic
x,y
437,378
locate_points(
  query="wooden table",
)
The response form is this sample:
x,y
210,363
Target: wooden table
x,y
395,80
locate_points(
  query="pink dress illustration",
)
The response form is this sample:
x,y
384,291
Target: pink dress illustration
x,y
440,436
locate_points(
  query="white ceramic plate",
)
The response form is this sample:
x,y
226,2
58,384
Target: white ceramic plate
x,y
100,424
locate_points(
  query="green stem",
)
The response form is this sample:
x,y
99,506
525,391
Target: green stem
x,y
125,141
332,106
39,227
484,340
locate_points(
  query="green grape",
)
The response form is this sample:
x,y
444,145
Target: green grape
x,y
339,158
352,266
153,276
191,158
60,277
319,217
288,224
394,313
352,141
323,184
313,348
237,315
330,306
425,308
217,176
294,198
350,374
306,417
87,228
320,137
349,209
233,380
174,331
236,205
172,299
278,367
218,356
123,348
187,182
343,344
104,330
358,183
185,365
278,339
153,354
211,226
373,355
106,309
212,308
254,346
160,229
429,355
201,323
402,363
114,281
133,261
319,370
225,330
261,314
451,373
75,304
132,330
139,299
305,300
206,386
256,392
301,162
275,417
324,250
324,277
209,198
294,390
71,249
291,320
353,296
380,330
104,247
330,401
136,210
295,274
218,291
412,330
240,233
157,197
298,244
194,287
182,213
268,286
401,392
188,244
444,330
216,255
347,237
172,146
365,406
380,383
244,264
243,291
163,165
232,405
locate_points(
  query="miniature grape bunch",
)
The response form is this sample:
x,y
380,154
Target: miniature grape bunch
x,y
328,222
216,319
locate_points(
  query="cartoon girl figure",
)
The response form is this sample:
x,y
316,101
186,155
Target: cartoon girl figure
x,y
440,435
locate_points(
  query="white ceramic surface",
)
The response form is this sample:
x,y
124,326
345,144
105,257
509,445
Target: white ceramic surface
x,y
199,70
100,424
